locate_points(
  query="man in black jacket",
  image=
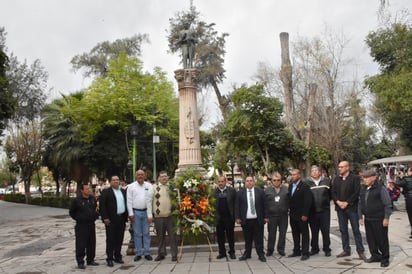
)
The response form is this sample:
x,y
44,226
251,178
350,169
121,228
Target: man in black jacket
x,y
114,216
375,204
345,194
300,202
250,213
83,211
319,216
406,183
225,208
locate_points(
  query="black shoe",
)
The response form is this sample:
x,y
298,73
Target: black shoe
x,y
221,256
93,263
174,258
244,258
110,263
119,261
384,264
304,257
343,254
269,253
81,266
262,259
159,258
327,253
313,252
148,257
137,258
293,255
372,260
281,253
232,255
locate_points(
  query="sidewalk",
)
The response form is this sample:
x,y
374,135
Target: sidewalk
x,y
41,240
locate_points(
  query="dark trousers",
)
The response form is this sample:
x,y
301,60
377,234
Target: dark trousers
x,y
253,231
163,225
277,223
114,238
344,217
300,228
408,204
377,238
85,242
225,229
320,221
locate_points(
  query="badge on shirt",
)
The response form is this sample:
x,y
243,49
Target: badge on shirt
x,y
277,199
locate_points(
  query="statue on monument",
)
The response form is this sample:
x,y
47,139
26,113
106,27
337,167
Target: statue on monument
x,y
187,42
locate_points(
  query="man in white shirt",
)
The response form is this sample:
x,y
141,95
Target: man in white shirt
x,y
139,206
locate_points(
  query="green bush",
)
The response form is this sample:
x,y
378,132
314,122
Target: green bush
x,y
48,200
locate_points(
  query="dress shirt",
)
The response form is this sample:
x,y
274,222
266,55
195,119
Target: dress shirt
x,y
140,197
119,200
249,214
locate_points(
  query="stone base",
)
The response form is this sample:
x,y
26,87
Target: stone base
x,y
198,169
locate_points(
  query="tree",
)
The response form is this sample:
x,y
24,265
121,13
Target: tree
x,y
24,147
7,101
96,62
210,50
391,48
255,127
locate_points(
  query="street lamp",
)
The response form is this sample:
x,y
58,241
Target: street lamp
x,y
249,160
129,167
232,165
133,132
155,141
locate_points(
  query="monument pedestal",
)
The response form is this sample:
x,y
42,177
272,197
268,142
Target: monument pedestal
x,y
189,141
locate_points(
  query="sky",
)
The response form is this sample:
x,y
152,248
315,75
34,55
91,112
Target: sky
x,y
55,31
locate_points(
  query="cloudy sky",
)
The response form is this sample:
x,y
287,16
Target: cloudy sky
x,y
55,31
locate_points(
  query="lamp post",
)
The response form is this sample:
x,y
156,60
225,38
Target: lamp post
x,y
232,164
249,160
129,167
155,141
133,132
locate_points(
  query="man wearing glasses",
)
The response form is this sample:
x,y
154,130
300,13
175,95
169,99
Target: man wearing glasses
x,y
277,204
345,194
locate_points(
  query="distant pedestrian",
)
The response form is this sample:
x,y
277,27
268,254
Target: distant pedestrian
x,y
114,216
300,202
345,194
225,208
375,204
319,216
163,220
139,206
277,204
405,181
83,211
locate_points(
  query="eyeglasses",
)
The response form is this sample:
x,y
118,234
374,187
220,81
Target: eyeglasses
x,y
276,180
342,166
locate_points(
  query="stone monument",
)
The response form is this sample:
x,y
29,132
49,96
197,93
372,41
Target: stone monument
x,y
189,140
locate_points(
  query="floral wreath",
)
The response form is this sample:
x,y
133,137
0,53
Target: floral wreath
x,y
193,203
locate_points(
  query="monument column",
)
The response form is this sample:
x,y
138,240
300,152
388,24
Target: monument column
x,y
189,140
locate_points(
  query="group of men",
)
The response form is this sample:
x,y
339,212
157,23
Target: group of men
x,y
305,202
141,202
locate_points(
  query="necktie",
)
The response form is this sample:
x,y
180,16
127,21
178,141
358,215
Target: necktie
x,y
252,203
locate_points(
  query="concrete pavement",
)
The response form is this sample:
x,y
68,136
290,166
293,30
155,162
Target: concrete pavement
x,y
37,239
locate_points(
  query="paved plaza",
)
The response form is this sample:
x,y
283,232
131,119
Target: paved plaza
x,y
37,239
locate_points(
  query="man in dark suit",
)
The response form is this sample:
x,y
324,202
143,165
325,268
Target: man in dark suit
x,y
300,202
114,216
225,207
250,212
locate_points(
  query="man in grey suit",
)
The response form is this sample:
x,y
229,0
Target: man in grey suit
x,y
277,204
250,213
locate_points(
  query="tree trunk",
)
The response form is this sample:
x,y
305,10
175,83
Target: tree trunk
x,y
286,78
308,125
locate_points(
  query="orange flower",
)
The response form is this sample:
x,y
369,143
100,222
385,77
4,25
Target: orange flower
x,y
186,203
204,204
